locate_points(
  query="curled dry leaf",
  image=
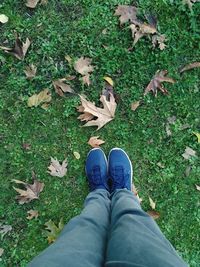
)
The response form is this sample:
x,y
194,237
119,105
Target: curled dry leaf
x,y
135,105
103,115
86,80
154,214
141,29
53,230
76,155
3,18
152,203
95,142
189,152
32,214
159,39
37,99
56,169
32,191
198,136
126,13
190,66
32,3
156,83
30,71
19,50
61,87
4,229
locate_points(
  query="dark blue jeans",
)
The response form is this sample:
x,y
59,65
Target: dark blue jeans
x,y
111,231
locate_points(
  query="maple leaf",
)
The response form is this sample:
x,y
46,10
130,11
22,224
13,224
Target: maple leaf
x,y
159,40
190,66
30,71
141,29
61,87
3,18
19,50
56,169
103,115
152,203
32,191
154,214
95,142
53,230
156,83
4,229
189,152
126,13
37,99
82,66
32,214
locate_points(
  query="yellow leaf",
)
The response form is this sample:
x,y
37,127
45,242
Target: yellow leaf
x,y
53,230
37,99
197,187
152,203
198,136
108,80
76,155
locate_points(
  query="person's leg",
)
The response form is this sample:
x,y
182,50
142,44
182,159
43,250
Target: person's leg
x,y
82,243
135,239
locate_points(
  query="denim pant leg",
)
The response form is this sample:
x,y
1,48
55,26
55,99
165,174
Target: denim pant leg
x,y
82,243
135,239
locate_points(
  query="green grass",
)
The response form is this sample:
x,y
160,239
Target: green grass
x,y
71,27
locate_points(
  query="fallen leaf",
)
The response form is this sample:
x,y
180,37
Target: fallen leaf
x,y
26,146
152,203
104,115
171,120
168,130
32,214
1,251
156,83
53,230
189,152
86,80
32,3
198,136
76,155
109,80
197,187
30,71
68,58
61,87
19,50
188,170
159,164
135,105
56,169
159,40
37,99
83,66
126,13
3,18
4,229
108,90
32,191
95,142
190,66
154,214
189,3
135,192
141,29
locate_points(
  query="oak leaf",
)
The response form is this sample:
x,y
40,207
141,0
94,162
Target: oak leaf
x,y
61,87
126,13
103,115
95,142
37,99
30,71
19,50
156,83
190,66
32,191
53,230
56,169
32,214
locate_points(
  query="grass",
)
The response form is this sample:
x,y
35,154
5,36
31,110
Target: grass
x,y
71,27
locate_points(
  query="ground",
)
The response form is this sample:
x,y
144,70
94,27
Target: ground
x,y
71,27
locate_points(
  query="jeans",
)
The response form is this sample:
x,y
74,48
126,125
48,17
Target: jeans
x,y
111,231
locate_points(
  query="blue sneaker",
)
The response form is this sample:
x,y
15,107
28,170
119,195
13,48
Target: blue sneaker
x,y
96,169
120,169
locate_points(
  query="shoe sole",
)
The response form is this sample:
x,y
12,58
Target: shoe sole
x,y
116,148
96,148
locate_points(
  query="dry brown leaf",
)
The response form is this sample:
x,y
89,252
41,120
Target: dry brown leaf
x,y
37,99
95,142
86,80
135,192
189,152
32,214
152,203
190,66
30,71
126,13
61,87
56,169
4,229
190,3
19,50
135,105
83,66
159,40
104,115
154,214
141,29
3,18
1,252
32,191
197,187
156,83
32,3
26,146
